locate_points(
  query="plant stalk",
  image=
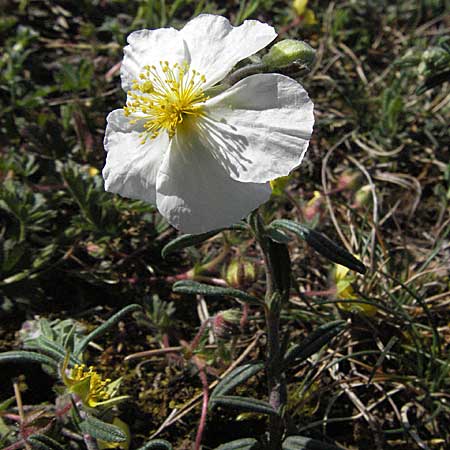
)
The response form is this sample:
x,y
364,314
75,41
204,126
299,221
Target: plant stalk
x,y
278,269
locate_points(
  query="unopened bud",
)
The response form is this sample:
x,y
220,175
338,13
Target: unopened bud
x,y
363,196
226,323
300,6
288,52
95,250
307,14
93,171
349,179
313,207
240,273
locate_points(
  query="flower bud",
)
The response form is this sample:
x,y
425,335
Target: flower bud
x,y
241,273
226,323
313,207
307,14
349,179
300,6
363,196
287,52
95,250
93,171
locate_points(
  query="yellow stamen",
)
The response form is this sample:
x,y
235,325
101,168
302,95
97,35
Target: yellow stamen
x,y
164,97
97,391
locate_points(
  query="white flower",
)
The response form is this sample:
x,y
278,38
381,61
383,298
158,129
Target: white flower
x,y
205,162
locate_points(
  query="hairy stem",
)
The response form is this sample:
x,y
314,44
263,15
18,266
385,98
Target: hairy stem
x,y
277,266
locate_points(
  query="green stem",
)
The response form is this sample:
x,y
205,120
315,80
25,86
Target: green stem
x,y
246,71
278,269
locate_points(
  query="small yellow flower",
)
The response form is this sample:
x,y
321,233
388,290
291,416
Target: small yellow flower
x,y
89,386
344,291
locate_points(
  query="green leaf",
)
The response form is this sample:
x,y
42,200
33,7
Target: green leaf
x,y
278,236
81,347
322,244
194,287
156,444
102,430
240,444
43,442
188,240
235,378
306,443
12,254
314,342
21,356
5,404
52,349
244,403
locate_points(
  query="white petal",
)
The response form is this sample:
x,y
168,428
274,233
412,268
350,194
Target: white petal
x,y
131,167
215,46
259,129
195,194
150,47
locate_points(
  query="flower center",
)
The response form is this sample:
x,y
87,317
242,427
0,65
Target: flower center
x,y
97,385
164,97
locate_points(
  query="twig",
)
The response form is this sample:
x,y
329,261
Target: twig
x,y
189,406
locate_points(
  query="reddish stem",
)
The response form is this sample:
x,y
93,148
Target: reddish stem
x,y
14,417
63,410
16,445
198,336
244,318
201,425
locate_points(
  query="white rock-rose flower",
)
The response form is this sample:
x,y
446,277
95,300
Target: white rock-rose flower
x,y
205,161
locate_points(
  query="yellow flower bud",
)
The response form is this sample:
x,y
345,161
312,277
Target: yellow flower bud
x,y
93,171
300,6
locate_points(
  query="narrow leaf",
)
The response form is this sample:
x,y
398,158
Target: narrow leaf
x,y
314,342
278,236
5,404
21,356
43,442
306,443
240,444
50,348
194,287
245,404
236,377
156,444
322,244
102,430
188,240
81,347
379,362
